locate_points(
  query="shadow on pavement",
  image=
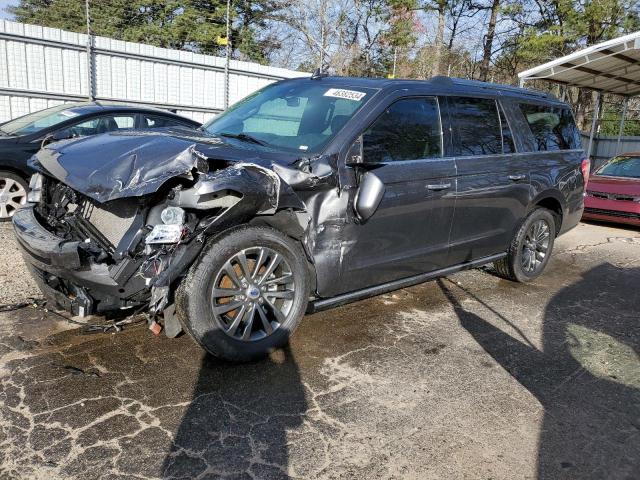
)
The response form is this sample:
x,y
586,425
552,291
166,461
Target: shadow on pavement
x,y
601,223
236,424
586,376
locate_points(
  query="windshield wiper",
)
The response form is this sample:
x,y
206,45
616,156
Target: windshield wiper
x,y
244,137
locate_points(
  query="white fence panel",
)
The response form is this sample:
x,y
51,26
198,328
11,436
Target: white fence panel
x,y
41,67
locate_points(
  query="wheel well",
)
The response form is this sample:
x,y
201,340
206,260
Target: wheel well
x,y
284,221
15,171
554,205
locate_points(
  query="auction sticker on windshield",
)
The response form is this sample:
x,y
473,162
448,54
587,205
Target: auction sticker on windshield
x,y
347,94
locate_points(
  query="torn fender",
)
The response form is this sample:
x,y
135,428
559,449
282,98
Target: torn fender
x,y
247,188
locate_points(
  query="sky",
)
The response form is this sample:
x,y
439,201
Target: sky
x,y
3,5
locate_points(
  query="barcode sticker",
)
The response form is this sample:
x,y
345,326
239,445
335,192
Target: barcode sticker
x,y
346,94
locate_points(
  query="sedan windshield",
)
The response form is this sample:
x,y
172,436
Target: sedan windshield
x,y
298,116
34,122
623,166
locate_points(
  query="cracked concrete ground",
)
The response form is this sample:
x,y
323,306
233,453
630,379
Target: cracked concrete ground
x,y
470,377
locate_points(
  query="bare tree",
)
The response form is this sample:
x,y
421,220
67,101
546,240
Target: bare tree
x,y
488,40
440,6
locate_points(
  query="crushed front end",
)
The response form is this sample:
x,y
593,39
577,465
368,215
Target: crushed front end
x,y
92,257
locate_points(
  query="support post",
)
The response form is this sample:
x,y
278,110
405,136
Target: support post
x,y
594,125
625,103
226,65
90,60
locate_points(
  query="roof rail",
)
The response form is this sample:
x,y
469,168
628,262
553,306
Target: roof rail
x,y
462,82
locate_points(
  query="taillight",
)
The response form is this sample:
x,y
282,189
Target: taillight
x,y
585,168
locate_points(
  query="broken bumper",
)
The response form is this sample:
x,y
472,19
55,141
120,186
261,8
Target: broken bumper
x,y
75,284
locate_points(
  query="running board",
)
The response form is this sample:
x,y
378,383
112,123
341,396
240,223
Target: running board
x,y
326,303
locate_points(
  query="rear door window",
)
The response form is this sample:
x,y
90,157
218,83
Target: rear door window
x,y
553,128
121,122
156,121
408,129
477,124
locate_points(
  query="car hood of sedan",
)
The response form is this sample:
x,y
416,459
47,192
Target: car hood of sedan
x,y
619,185
118,165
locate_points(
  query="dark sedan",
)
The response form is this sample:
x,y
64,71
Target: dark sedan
x,y
613,194
20,138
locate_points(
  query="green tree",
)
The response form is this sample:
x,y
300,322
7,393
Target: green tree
x,y
190,24
548,29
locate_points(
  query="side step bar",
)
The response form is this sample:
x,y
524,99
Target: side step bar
x,y
343,299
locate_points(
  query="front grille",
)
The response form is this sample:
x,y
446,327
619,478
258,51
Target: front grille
x,y
612,213
612,196
75,216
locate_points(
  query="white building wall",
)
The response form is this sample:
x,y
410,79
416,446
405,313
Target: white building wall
x,y
41,67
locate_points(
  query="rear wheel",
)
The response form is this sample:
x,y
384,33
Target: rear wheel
x,y
530,249
13,194
246,294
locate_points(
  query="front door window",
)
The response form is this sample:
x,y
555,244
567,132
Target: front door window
x,y
409,129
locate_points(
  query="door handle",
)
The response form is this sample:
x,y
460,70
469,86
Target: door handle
x,y
439,186
515,178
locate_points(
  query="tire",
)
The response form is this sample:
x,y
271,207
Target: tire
x,y
520,265
204,297
13,193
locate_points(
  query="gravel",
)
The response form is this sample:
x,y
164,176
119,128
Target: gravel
x,y
16,284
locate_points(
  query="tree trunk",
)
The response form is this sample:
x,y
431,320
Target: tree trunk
x,y
583,104
439,43
488,42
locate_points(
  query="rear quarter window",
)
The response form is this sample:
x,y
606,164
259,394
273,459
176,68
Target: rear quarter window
x,y
553,128
156,121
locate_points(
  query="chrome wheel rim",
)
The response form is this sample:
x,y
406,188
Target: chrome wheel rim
x,y
12,196
253,294
535,246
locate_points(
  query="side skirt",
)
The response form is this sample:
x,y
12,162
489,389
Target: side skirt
x,y
326,303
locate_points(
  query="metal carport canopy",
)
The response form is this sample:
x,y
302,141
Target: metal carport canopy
x,y
609,67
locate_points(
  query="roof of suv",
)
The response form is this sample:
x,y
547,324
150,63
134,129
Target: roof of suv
x,y
83,108
440,82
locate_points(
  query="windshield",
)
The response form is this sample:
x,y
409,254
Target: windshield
x,y
34,122
623,166
298,116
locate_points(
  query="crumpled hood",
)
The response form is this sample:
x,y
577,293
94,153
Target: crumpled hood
x,y
128,164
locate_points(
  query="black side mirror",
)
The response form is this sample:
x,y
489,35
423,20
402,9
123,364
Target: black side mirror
x,y
56,136
61,135
355,156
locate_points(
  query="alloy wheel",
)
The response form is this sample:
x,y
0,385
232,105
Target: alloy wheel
x,y
535,246
12,196
253,294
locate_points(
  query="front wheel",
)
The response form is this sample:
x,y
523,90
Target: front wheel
x,y
246,294
530,248
13,194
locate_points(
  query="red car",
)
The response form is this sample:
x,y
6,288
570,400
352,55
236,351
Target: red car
x,y
613,192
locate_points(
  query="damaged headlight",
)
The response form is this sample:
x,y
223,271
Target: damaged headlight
x,y
172,216
172,228
35,188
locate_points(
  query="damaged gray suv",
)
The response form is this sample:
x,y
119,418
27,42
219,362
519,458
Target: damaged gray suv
x,y
308,194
